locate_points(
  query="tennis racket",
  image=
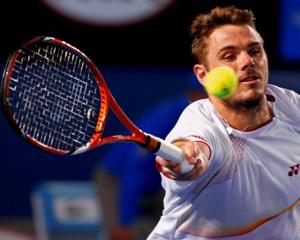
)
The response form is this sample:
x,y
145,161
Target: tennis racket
x,y
57,99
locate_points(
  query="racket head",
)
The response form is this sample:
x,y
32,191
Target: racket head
x,y
54,96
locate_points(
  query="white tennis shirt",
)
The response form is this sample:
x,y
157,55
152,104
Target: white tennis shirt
x,y
251,189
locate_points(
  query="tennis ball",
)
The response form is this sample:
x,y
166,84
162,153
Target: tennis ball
x,y
221,82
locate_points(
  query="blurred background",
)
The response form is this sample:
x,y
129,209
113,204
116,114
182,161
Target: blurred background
x,y
143,51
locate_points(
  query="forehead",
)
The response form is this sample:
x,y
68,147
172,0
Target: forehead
x,y
233,35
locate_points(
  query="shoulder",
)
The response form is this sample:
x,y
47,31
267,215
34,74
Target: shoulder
x,y
198,119
200,109
283,94
286,102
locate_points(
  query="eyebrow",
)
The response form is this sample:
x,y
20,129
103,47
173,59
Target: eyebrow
x,y
232,47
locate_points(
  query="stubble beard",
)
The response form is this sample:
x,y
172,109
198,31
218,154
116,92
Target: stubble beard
x,y
247,105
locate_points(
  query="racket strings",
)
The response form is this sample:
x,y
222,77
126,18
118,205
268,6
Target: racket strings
x,y
54,96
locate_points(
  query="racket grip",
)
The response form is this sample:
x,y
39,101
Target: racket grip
x,y
171,152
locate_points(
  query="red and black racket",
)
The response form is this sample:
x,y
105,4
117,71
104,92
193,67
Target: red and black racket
x,y
57,99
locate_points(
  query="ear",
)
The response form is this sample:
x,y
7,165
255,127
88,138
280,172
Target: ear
x,y
200,72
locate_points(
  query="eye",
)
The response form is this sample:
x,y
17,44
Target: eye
x,y
255,51
229,57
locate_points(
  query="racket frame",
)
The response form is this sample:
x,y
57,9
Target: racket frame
x,y
107,102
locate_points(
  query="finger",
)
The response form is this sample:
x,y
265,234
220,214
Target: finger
x,y
165,163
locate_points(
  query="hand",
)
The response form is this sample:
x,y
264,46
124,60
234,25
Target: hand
x,y
196,153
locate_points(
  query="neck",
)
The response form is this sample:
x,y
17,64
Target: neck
x,y
245,117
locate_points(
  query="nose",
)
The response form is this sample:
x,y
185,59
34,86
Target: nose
x,y
246,61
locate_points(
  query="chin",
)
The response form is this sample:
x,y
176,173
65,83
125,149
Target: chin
x,y
251,103
249,99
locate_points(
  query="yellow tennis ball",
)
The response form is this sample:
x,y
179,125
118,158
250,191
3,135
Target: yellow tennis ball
x,y
221,82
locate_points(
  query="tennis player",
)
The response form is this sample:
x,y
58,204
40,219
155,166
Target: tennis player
x,y
245,149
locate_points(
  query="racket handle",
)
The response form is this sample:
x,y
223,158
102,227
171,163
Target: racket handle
x,y
171,152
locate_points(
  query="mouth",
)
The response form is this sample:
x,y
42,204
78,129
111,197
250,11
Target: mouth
x,y
250,79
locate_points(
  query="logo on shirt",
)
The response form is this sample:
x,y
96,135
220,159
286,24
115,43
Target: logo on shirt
x,y
294,170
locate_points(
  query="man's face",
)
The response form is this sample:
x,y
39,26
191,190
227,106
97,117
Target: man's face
x,y
241,48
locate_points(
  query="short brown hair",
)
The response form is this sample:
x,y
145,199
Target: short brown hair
x,y
204,24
